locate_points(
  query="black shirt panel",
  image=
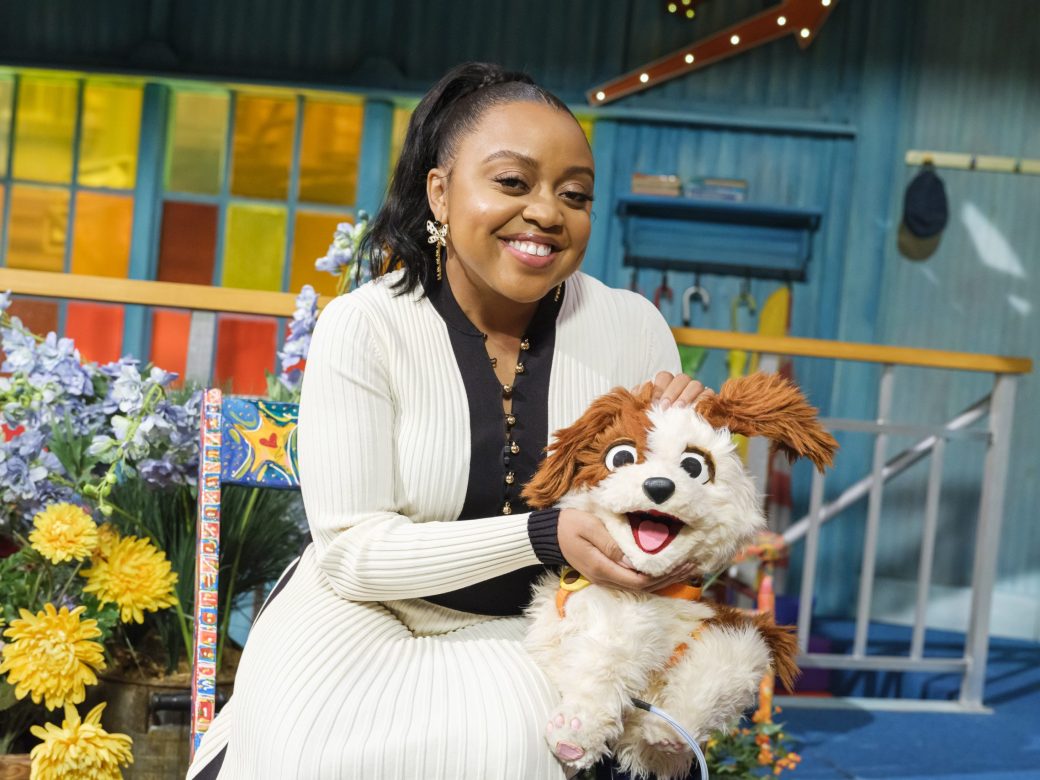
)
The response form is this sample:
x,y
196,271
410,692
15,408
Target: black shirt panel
x,y
491,457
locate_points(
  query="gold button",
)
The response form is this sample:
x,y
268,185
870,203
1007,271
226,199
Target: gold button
x,y
510,478
507,390
510,420
519,368
514,448
525,345
506,509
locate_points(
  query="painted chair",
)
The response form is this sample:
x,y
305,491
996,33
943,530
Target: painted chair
x,y
243,442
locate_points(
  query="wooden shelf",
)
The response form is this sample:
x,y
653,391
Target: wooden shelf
x,y
717,237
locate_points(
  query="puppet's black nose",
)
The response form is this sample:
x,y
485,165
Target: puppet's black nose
x,y
659,489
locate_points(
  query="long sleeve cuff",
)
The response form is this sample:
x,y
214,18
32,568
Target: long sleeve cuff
x,y
541,528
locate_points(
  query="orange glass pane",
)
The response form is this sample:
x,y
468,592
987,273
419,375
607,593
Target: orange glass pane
x,y
6,96
37,228
402,116
331,145
254,250
311,240
44,125
97,330
41,317
198,138
111,131
169,349
245,351
263,146
101,237
188,245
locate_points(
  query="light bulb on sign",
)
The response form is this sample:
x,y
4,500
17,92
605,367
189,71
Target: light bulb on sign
x,y
805,32
734,39
689,59
644,77
601,95
781,20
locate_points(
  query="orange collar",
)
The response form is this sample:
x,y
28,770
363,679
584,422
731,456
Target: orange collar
x,y
572,580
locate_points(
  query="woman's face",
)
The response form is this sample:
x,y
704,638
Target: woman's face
x,y
517,199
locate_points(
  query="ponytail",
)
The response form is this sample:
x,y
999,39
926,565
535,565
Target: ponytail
x,y
397,236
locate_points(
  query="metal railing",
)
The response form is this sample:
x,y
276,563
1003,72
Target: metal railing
x,y
997,407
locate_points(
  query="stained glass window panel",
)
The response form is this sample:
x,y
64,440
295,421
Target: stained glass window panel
x,y
6,98
263,145
588,125
254,254
245,351
169,350
188,243
329,152
198,133
44,125
37,228
111,133
41,317
311,240
101,235
399,128
97,330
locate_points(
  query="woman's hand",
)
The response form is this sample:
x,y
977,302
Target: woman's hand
x,y
676,389
589,548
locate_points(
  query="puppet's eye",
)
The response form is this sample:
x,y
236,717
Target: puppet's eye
x,y
620,455
693,463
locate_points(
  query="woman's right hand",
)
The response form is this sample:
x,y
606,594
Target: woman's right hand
x,y
589,548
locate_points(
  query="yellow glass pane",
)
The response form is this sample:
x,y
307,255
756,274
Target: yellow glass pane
x,y
587,124
37,228
311,240
331,145
198,137
262,146
254,250
44,125
101,235
399,129
6,95
111,130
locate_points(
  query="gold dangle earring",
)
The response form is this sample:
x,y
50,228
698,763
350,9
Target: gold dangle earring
x,y
439,236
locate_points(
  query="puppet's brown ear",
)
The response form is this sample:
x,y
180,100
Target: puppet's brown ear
x,y
556,474
768,405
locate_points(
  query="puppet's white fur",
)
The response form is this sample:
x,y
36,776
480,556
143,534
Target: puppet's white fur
x,y
613,645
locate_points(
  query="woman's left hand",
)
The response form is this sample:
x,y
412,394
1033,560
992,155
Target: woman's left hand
x,y
676,389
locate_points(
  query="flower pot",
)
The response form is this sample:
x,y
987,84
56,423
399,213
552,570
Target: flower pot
x,y
14,767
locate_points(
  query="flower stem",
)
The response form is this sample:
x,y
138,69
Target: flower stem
x,y
226,618
182,621
68,582
133,654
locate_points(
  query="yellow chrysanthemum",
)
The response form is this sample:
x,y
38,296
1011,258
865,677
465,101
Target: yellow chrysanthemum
x,y
135,575
52,656
81,750
64,532
107,536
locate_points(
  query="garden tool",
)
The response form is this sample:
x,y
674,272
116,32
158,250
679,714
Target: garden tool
x,y
692,358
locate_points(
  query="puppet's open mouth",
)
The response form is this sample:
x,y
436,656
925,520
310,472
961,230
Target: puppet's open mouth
x,y
653,531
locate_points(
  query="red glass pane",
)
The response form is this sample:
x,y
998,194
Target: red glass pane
x,y
188,244
41,317
169,349
97,330
245,350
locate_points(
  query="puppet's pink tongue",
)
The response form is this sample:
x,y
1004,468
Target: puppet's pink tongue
x,y
651,535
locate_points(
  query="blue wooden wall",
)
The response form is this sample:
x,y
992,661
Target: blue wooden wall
x,y
826,128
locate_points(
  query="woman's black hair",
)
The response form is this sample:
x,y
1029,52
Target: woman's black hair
x,y
453,107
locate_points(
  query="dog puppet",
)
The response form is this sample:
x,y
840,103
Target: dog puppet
x,y
670,487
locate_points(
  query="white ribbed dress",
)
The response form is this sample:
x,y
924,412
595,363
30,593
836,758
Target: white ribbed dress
x,y
347,673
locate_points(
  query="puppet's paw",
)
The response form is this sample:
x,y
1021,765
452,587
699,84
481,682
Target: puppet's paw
x,y
661,737
574,739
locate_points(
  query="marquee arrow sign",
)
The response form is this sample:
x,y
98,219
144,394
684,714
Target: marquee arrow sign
x,y
800,18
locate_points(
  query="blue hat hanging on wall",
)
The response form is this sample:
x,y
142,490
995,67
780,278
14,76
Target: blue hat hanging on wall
x,y
925,213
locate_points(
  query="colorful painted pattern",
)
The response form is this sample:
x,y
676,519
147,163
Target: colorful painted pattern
x,y
207,556
259,444
244,442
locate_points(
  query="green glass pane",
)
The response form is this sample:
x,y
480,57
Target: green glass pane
x,y
329,153
44,125
6,96
198,137
254,250
38,227
111,131
263,146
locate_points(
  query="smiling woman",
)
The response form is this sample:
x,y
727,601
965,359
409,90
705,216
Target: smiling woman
x,y
394,647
